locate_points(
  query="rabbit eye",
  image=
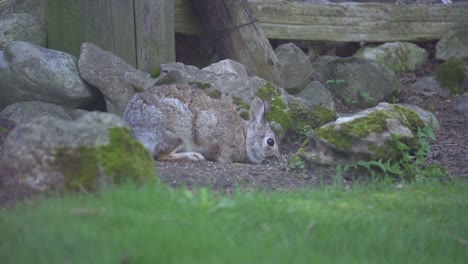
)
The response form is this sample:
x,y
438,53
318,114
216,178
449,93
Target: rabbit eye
x,y
270,142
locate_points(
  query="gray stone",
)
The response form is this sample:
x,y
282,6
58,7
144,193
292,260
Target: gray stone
x,y
32,73
117,80
51,154
320,64
294,66
360,82
227,66
228,85
318,94
453,46
462,106
429,86
24,112
366,135
21,27
397,56
32,7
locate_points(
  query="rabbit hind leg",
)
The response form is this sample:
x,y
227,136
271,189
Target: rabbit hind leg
x,y
188,155
180,153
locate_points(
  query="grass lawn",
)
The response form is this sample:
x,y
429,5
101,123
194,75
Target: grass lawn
x,y
425,222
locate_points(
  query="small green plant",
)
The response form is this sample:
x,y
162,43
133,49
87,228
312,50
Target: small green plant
x,y
394,100
304,131
411,165
367,97
295,163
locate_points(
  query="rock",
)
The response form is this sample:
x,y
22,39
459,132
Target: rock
x,y
227,86
32,7
453,46
462,106
22,27
294,66
307,115
363,136
451,75
117,80
51,154
227,66
360,82
5,127
24,112
428,86
318,94
397,56
320,64
32,73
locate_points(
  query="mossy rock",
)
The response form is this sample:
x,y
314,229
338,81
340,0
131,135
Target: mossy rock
x,y
279,111
369,134
123,159
451,74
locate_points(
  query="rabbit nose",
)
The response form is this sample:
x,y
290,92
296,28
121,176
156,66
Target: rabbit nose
x,y
274,159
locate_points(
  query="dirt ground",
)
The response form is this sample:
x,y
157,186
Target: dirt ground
x,y
450,150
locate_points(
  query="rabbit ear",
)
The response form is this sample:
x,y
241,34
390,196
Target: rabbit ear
x,y
259,110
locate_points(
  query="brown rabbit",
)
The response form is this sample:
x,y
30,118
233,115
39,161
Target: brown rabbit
x,y
181,122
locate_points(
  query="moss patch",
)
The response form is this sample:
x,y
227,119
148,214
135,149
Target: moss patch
x,y
245,115
451,74
278,107
215,94
240,103
306,118
155,72
201,85
408,117
336,137
122,159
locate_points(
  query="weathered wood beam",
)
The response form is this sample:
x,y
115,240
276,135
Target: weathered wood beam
x,y
345,22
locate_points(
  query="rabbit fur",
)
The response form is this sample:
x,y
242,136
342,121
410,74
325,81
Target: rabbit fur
x,y
181,122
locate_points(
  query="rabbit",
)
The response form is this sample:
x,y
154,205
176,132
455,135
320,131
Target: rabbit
x,y
180,122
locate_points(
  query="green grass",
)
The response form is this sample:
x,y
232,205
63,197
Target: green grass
x,y
424,222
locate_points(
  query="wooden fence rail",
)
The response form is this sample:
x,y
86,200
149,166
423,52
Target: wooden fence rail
x,y
345,22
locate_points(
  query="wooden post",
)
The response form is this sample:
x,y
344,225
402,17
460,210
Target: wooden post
x,y
237,35
107,23
155,33
139,31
